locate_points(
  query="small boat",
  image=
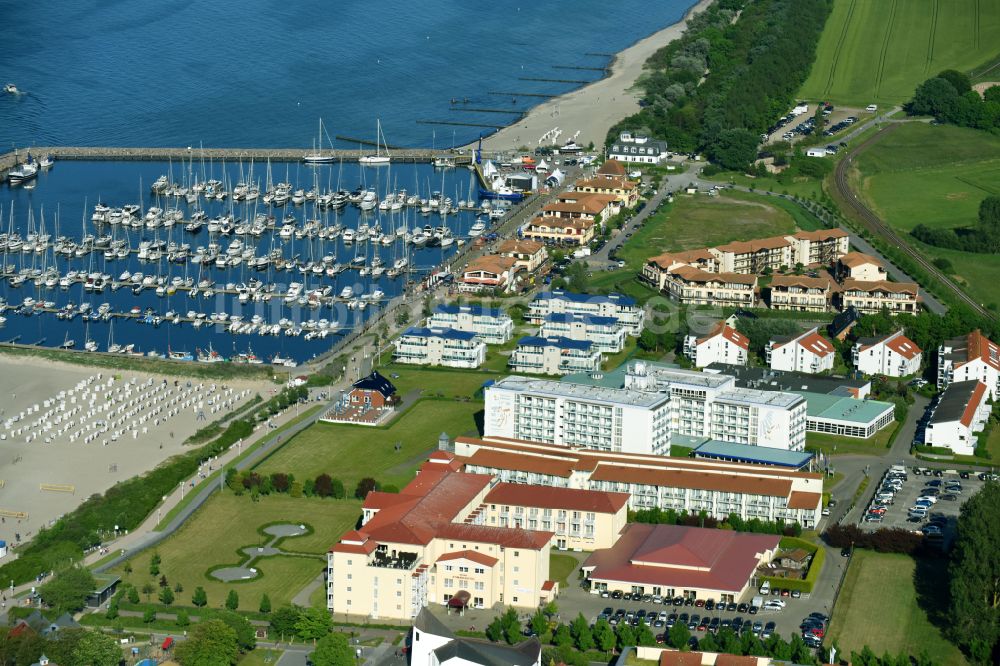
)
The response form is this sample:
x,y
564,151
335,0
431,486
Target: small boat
x,y
477,229
11,89
46,162
67,343
23,173
378,158
346,292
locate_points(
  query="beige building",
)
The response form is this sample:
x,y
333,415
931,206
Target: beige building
x,y
693,286
800,293
860,266
625,192
433,543
563,231
489,272
873,297
529,255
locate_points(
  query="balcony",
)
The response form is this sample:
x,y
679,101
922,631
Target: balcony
x,y
400,561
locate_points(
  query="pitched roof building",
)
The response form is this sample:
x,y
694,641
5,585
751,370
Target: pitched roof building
x,y
434,644
971,357
893,355
722,344
960,414
806,352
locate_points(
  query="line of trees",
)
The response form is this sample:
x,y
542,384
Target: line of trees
x,y
728,79
982,237
949,97
657,516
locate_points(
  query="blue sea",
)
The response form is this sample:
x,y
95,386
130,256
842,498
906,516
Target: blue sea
x,y
259,73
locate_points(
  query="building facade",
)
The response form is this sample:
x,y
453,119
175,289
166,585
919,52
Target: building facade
x,y
529,254
554,356
560,231
439,346
638,148
807,352
800,294
894,355
972,357
873,297
493,326
621,307
961,413
723,344
489,272
606,334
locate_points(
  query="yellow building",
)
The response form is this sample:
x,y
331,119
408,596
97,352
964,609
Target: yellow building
x,y
872,297
528,254
563,231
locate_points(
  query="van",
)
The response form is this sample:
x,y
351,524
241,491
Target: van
x,y
765,589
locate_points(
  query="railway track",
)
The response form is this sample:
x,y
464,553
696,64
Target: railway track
x,y
876,226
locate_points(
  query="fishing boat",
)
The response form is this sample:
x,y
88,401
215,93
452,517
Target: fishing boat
x,y
379,157
210,356
46,162
179,356
23,173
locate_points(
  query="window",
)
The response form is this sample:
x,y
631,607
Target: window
x,y
448,582
480,585
514,599
463,569
480,570
348,589
447,567
517,569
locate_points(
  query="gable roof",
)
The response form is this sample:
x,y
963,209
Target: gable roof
x,y
471,555
490,263
545,497
727,332
611,168
375,382
484,653
855,259
803,281
881,285
520,246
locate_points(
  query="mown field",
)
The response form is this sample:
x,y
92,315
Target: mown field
x,y
936,175
880,50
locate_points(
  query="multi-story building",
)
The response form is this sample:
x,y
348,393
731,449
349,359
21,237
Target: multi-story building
x,y
972,357
800,294
621,307
554,356
873,297
961,413
492,325
606,333
723,344
806,352
625,191
653,481
821,247
563,231
575,205
529,254
439,346
860,266
489,272
755,256
434,542
638,148
893,355
694,286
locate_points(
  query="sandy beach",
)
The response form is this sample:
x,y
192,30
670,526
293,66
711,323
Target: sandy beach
x,y
85,461
593,109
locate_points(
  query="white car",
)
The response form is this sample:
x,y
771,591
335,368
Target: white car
x,y
774,603
930,498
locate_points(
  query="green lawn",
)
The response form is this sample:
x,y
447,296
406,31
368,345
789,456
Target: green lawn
x,y
351,452
261,657
560,567
800,186
446,381
225,525
880,50
830,444
936,175
879,606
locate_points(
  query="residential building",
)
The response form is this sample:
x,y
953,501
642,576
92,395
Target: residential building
x,y
860,266
874,297
489,272
554,356
439,346
434,644
800,293
374,391
606,333
576,205
893,355
694,286
722,344
972,357
529,255
689,562
806,352
638,148
961,413
433,543
492,325
716,487
625,191
821,247
611,169
842,324
619,306
562,231
755,256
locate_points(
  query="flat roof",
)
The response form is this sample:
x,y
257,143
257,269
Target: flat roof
x,y
434,332
571,317
763,455
556,389
477,310
778,380
839,408
554,341
573,297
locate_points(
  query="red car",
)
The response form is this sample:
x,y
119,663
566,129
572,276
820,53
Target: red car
x,y
817,632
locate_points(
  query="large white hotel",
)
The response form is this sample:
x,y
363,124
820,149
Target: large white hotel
x,y
639,409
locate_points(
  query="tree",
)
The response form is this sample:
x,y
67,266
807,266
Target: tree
x,y
604,636
679,636
163,581
934,97
648,340
365,486
337,489
113,610
281,482
734,148
957,79
148,589
645,635
333,650
265,604
312,624
563,637
200,597
149,616
68,590
132,595
975,576
539,623
178,588
166,596
494,630
209,643
511,626
323,485
283,621
625,635
97,649
582,636
232,600
246,635
183,619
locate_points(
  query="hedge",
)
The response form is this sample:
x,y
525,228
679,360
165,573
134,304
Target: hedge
x,y
815,566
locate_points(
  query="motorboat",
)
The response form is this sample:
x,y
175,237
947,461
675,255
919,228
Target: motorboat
x,y
11,89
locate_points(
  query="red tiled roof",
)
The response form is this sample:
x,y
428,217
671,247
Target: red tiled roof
x,y
803,281
562,468
821,234
903,346
520,246
692,274
802,500
501,536
735,660
547,497
881,285
676,478
855,259
365,549
981,347
548,586
729,333
816,343
611,168
973,404
681,557
666,260
677,658
756,245
606,183
471,555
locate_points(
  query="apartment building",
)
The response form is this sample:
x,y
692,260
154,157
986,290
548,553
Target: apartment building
x,y
805,352
821,247
893,355
433,542
489,272
971,357
652,481
529,255
873,297
860,266
606,333
755,256
562,231
492,325
800,293
961,413
439,346
625,191
693,286
577,205
722,344
554,356
621,307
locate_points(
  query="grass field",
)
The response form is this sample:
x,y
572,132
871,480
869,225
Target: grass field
x,y
226,524
880,588
560,567
936,175
448,382
830,444
880,50
351,453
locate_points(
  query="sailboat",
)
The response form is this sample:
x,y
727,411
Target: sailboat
x,y
318,157
378,157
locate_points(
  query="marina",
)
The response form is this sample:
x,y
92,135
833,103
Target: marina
x,y
208,260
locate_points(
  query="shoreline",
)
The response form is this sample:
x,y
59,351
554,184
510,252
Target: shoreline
x,y
581,109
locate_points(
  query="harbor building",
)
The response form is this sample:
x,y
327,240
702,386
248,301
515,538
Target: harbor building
x,y
606,333
439,346
805,352
723,344
529,255
961,413
554,356
489,272
971,357
492,325
717,487
561,231
893,355
619,306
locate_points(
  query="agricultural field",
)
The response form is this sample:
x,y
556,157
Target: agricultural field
x,y
936,175
878,51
